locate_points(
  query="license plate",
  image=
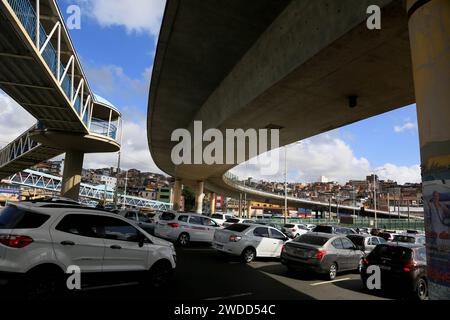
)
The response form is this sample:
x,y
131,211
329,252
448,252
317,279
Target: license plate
x,y
387,268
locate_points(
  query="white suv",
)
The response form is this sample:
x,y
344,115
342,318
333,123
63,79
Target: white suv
x,y
250,241
185,227
40,240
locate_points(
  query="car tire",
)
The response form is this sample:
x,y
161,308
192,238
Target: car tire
x,y
421,291
332,271
183,239
160,274
42,287
248,255
360,265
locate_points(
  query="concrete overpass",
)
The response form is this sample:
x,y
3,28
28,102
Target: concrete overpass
x,y
298,66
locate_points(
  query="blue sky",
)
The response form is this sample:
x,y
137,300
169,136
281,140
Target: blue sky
x,y
117,43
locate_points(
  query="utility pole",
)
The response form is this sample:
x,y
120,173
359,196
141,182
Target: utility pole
x,y
329,210
285,186
125,190
375,200
388,205
116,199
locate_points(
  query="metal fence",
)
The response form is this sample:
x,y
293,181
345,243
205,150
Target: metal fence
x,y
388,224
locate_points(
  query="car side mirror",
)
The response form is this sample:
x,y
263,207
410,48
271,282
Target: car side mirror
x,y
141,240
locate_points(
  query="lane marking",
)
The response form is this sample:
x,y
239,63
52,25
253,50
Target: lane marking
x,y
127,284
327,282
232,296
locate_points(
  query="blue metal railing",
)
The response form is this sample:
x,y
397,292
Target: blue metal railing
x,y
100,126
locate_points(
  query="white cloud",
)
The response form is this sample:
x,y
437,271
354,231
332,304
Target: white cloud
x,y
14,120
327,155
135,153
112,80
137,16
405,127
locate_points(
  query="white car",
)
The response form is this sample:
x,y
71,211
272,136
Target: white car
x,y
40,240
186,227
249,241
220,218
294,230
232,220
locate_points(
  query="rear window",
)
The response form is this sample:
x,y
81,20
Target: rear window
x,y
312,239
393,253
289,226
217,216
167,216
406,239
15,218
324,229
233,220
358,241
237,227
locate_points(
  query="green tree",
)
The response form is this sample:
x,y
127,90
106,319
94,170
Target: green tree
x,y
189,199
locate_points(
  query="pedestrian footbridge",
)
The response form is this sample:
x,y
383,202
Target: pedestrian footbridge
x,y
41,71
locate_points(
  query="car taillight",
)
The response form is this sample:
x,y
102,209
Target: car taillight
x,y
366,261
173,225
410,267
283,248
320,254
15,241
234,238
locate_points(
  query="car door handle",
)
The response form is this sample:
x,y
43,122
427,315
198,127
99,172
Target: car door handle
x,y
68,243
115,246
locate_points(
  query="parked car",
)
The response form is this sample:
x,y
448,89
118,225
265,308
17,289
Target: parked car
x,y
39,241
409,238
333,229
294,230
185,228
277,226
375,231
231,221
365,242
387,235
323,253
220,218
249,241
403,267
144,221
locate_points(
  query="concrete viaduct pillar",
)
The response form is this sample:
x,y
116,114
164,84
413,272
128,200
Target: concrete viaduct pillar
x,y
177,194
199,195
213,203
73,164
429,31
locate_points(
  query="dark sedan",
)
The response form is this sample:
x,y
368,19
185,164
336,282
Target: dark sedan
x,y
323,253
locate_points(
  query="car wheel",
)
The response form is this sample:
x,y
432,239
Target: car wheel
x,y
422,289
183,239
41,287
248,255
160,274
332,271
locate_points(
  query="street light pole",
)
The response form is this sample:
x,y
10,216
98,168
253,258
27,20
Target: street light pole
x,y
375,199
125,190
285,185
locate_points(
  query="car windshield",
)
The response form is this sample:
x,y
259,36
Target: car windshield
x,y
289,226
216,216
237,227
312,239
403,238
15,218
233,220
324,229
358,241
167,216
393,253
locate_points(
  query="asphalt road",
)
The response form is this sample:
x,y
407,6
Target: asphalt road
x,y
203,274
